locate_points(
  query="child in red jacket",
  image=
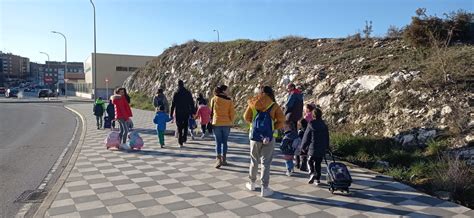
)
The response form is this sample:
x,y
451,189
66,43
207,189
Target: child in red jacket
x,y
204,115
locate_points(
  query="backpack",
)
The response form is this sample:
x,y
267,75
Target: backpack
x,y
135,141
98,109
262,126
112,140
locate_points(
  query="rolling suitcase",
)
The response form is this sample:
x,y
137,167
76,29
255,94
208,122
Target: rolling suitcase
x,y
107,123
338,176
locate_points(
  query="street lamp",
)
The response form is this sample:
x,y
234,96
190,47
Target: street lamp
x,y
48,64
217,34
94,68
65,62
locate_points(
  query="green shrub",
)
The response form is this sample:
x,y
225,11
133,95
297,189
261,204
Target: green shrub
x,y
141,101
402,158
436,147
399,173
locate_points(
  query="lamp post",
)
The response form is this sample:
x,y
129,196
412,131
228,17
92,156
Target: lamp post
x,y
107,88
217,34
94,68
48,64
65,62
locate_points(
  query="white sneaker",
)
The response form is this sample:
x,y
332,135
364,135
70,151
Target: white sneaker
x,y
317,182
266,192
250,186
203,136
289,173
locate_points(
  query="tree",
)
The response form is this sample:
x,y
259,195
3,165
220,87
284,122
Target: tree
x,y
367,29
394,32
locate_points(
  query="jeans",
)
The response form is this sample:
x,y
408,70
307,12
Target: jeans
x,y
98,120
289,165
182,126
221,134
261,154
161,137
123,130
314,164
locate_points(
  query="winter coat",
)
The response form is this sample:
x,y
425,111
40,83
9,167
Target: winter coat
x,y
223,112
122,109
316,138
291,139
301,134
111,111
161,118
203,114
262,102
99,107
182,105
160,99
294,106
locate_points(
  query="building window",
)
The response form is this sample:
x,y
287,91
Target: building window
x,y
119,68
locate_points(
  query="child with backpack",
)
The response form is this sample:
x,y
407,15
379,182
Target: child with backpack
x,y
290,143
301,155
98,109
161,118
204,115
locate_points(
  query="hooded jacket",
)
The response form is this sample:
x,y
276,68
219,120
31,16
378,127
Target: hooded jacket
x,y
294,106
316,138
122,109
161,118
262,102
182,106
99,107
111,110
223,113
203,114
160,99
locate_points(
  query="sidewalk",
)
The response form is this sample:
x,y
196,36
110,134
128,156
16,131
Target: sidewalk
x,y
173,182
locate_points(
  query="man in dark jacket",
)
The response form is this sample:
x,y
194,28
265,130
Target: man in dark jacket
x,y
316,142
182,107
160,99
294,106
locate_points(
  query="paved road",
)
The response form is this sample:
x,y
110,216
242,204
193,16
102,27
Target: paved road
x,y
32,136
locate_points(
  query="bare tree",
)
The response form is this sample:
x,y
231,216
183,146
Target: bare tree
x,y
367,29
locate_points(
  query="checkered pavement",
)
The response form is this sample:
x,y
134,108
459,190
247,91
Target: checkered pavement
x,y
173,182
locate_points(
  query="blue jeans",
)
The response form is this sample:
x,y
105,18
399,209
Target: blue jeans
x,y
289,165
221,134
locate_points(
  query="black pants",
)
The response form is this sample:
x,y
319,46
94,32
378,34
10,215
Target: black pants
x,y
182,131
314,164
302,162
207,127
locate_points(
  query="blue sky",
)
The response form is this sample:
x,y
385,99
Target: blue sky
x,y
147,27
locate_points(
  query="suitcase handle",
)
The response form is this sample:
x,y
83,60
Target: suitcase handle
x,y
330,154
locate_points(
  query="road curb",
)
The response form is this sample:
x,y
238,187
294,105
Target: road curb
x,y
65,174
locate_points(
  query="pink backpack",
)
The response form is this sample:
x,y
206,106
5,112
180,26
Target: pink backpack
x,y
112,140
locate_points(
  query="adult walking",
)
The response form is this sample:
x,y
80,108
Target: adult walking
x,y
123,112
182,107
294,106
266,114
223,115
160,99
316,142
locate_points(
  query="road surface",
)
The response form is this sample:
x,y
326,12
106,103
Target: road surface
x,y
32,137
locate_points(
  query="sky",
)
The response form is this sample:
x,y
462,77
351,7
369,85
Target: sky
x,y
148,27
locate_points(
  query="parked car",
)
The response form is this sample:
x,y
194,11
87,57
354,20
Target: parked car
x,y
3,90
11,92
43,93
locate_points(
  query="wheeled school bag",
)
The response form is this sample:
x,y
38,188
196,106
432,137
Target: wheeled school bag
x,y
112,140
135,142
107,122
338,177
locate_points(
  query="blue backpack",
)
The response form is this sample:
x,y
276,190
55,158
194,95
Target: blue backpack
x,y
262,126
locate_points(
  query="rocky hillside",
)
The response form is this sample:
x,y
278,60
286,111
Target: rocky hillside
x,y
379,87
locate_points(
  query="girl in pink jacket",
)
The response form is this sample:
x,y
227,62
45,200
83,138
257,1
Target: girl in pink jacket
x,y
204,115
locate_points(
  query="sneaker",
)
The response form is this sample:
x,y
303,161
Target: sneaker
x,y
250,186
311,179
162,146
203,136
289,173
266,192
317,182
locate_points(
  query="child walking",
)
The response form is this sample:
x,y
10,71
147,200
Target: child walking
x,y
301,154
290,143
204,115
99,108
161,118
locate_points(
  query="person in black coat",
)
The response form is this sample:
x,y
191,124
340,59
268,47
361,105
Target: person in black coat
x,y
182,107
316,142
111,113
